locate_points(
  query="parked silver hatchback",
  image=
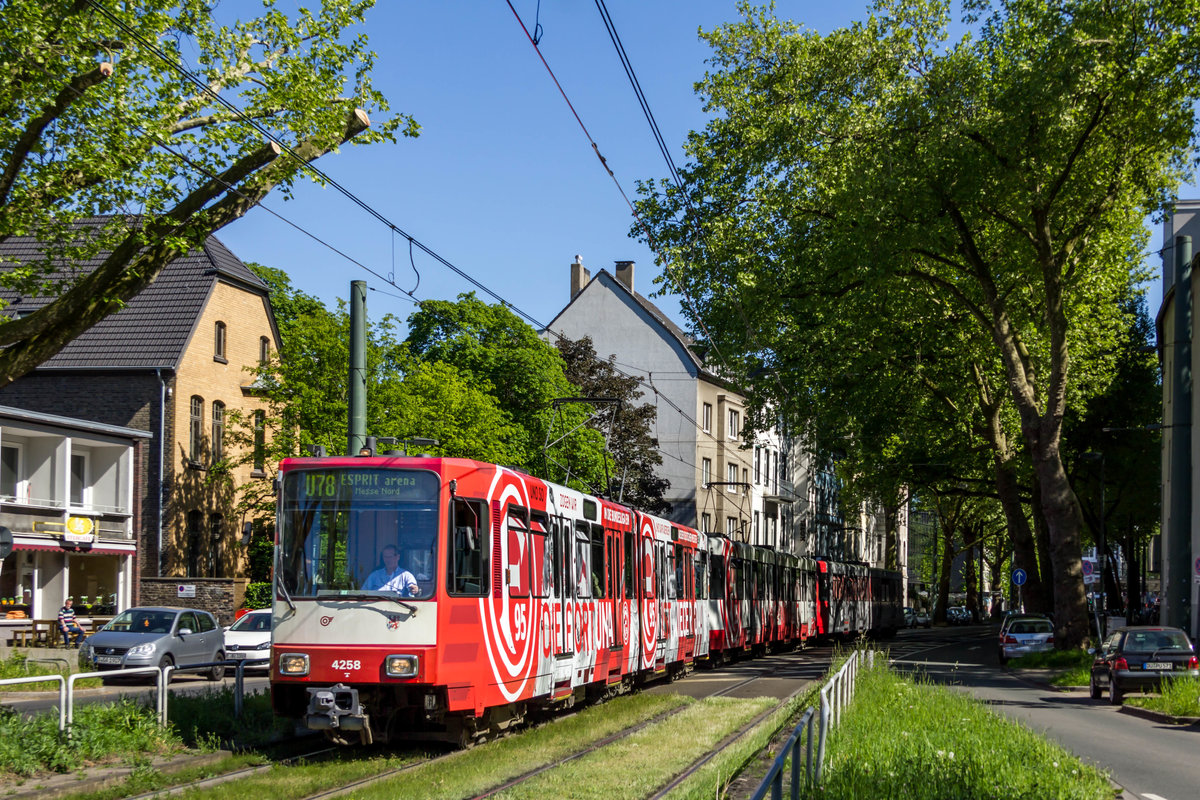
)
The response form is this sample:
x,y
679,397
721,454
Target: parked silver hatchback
x,y
156,636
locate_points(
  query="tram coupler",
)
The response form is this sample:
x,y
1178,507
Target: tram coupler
x,y
336,709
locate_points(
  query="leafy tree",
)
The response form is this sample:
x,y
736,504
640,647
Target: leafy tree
x,y
495,349
1004,176
628,429
99,123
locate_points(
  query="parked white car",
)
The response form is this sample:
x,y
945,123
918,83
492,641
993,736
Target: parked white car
x,y
249,639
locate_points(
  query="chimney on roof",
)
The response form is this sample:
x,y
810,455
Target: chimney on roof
x,y
625,273
579,276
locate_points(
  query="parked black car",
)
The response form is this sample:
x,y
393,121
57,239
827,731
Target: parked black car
x,y
1141,657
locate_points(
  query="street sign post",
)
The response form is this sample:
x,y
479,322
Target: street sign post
x,y
1018,578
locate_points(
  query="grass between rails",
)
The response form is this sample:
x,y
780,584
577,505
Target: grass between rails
x,y
633,767
463,773
917,741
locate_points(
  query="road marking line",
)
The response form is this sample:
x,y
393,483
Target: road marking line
x,y
1153,797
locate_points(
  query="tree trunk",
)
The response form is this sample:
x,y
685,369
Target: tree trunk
x,y
1071,629
1033,592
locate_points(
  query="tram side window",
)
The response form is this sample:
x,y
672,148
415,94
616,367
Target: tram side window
x,y
698,566
630,558
468,573
583,562
677,563
541,550
716,576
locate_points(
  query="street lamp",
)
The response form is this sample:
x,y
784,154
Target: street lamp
x,y
1101,558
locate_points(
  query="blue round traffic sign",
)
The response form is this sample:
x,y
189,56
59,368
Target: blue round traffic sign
x,y
1019,576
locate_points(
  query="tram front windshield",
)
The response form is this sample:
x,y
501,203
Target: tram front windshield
x,y
350,531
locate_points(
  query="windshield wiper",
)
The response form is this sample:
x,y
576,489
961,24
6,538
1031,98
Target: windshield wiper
x,y
412,610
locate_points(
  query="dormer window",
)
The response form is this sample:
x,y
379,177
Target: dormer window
x,y
219,344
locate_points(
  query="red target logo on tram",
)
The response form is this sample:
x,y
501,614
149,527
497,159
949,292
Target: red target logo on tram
x,y
649,605
509,613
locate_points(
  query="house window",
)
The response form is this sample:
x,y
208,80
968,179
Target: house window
x,y
735,427
80,494
731,474
219,343
260,440
198,547
731,527
706,418
757,470
706,522
745,480
218,430
264,350
196,428
216,529
12,486
705,471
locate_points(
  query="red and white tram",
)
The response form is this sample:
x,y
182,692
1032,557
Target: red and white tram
x,y
520,596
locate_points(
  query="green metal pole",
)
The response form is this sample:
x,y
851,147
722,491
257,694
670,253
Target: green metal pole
x,y
357,427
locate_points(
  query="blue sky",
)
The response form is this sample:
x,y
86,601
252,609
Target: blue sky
x,y
502,181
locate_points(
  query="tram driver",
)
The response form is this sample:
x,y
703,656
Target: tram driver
x,y
392,577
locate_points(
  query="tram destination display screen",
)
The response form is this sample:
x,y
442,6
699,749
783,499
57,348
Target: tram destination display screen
x,y
368,485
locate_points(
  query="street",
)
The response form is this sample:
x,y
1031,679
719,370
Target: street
x,y
1149,759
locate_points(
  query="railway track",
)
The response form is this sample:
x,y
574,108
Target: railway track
x,y
729,684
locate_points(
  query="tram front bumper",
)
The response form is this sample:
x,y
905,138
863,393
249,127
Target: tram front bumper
x,y
335,708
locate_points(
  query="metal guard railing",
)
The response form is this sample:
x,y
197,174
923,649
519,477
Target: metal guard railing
x,y
836,694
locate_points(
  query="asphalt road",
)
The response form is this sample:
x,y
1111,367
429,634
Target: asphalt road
x,y
1150,760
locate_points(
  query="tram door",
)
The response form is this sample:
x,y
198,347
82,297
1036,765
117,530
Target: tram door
x,y
564,643
615,577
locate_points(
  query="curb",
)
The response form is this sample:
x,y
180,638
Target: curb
x,y
1158,716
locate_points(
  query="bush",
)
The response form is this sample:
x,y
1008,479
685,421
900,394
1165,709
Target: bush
x,y
258,595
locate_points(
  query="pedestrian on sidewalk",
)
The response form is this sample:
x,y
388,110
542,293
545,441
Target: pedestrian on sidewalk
x,y
68,624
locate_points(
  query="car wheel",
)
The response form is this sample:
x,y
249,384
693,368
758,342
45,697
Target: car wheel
x,y
218,671
1093,687
166,661
1115,695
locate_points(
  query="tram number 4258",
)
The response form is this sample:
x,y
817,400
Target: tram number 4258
x,y
346,664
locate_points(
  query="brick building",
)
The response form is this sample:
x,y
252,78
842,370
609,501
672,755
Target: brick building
x,y
175,363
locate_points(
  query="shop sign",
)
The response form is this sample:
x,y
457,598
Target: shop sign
x,y
79,531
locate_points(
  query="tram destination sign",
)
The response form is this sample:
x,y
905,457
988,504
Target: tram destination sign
x,y
360,484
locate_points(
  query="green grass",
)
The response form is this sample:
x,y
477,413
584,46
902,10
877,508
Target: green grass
x,y
917,741
712,779
1179,698
1071,667
102,733
462,773
206,720
17,666
635,766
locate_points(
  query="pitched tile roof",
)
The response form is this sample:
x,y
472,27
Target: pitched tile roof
x,y
153,329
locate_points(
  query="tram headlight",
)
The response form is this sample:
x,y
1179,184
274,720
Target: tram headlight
x,y
293,664
402,666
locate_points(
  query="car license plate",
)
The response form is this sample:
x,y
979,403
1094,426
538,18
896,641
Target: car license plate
x,y
235,654
1156,665
108,659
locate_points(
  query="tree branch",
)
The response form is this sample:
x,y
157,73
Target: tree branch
x,y
33,131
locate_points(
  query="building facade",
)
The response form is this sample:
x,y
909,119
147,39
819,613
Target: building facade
x,y
768,492
176,363
69,493
1178,355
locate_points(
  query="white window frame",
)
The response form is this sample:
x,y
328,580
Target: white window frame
x,y
731,474
85,490
706,522
21,482
706,418
705,471
735,424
